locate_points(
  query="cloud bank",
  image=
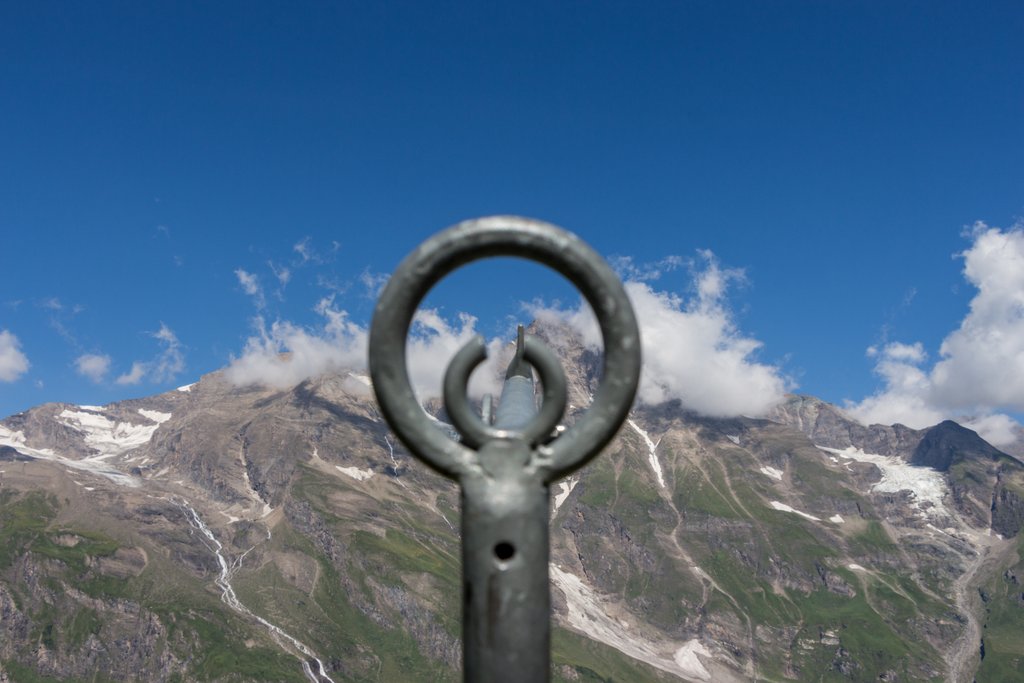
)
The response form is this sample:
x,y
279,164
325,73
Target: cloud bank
x,y
13,362
693,350
980,369
285,354
716,375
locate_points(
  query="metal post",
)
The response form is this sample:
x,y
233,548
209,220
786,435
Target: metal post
x,y
505,469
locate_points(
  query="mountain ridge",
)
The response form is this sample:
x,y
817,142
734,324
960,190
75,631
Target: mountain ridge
x,y
801,547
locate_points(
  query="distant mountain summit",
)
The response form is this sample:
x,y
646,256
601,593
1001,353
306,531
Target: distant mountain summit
x,y
227,533
948,444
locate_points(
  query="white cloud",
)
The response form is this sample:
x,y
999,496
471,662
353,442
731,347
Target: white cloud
x,y
909,353
251,286
282,273
998,429
905,398
304,248
981,366
433,341
133,376
692,349
373,282
170,361
13,362
628,269
983,361
94,366
286,354
165,366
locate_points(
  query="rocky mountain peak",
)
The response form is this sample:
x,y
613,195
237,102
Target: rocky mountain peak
x,y
948,442
827,425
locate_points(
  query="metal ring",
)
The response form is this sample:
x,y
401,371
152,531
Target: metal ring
x,y
504,236
473,430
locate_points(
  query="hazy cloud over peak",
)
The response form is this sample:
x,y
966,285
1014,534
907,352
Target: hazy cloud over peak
x,y
285,354
717,373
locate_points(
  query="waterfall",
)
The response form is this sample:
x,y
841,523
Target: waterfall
x,y
228,596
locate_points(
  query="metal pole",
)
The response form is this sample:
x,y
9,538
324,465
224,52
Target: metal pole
x,y
507,603
505,470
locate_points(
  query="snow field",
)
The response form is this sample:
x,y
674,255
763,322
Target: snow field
x,y
652,456
926,485
588,615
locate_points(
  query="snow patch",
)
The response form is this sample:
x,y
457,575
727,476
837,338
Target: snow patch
x,y
362,379
187,387
588,615
652,455
785,508
94,409
686,658
566,486
355,472
445,427
772,472
924,484
836,519
94,465
855,567
155,415
734,439
107,437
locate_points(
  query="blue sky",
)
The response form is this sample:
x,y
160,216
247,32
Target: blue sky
x,y
156,157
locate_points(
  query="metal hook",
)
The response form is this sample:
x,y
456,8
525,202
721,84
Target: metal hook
x,y
504,236
505,469
475,433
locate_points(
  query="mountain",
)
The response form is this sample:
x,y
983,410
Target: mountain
x,y
223,533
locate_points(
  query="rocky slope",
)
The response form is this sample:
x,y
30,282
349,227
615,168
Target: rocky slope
x,y
243,534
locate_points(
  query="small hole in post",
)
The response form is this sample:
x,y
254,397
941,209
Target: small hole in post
x,y
504,551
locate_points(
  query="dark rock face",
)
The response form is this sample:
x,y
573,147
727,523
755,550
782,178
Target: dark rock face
x,y
8,454
947,443
1007,511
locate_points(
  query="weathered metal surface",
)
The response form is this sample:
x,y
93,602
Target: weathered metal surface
x,y
517,406
505,469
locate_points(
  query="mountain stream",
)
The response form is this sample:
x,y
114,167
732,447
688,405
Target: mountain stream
x,y
227,595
